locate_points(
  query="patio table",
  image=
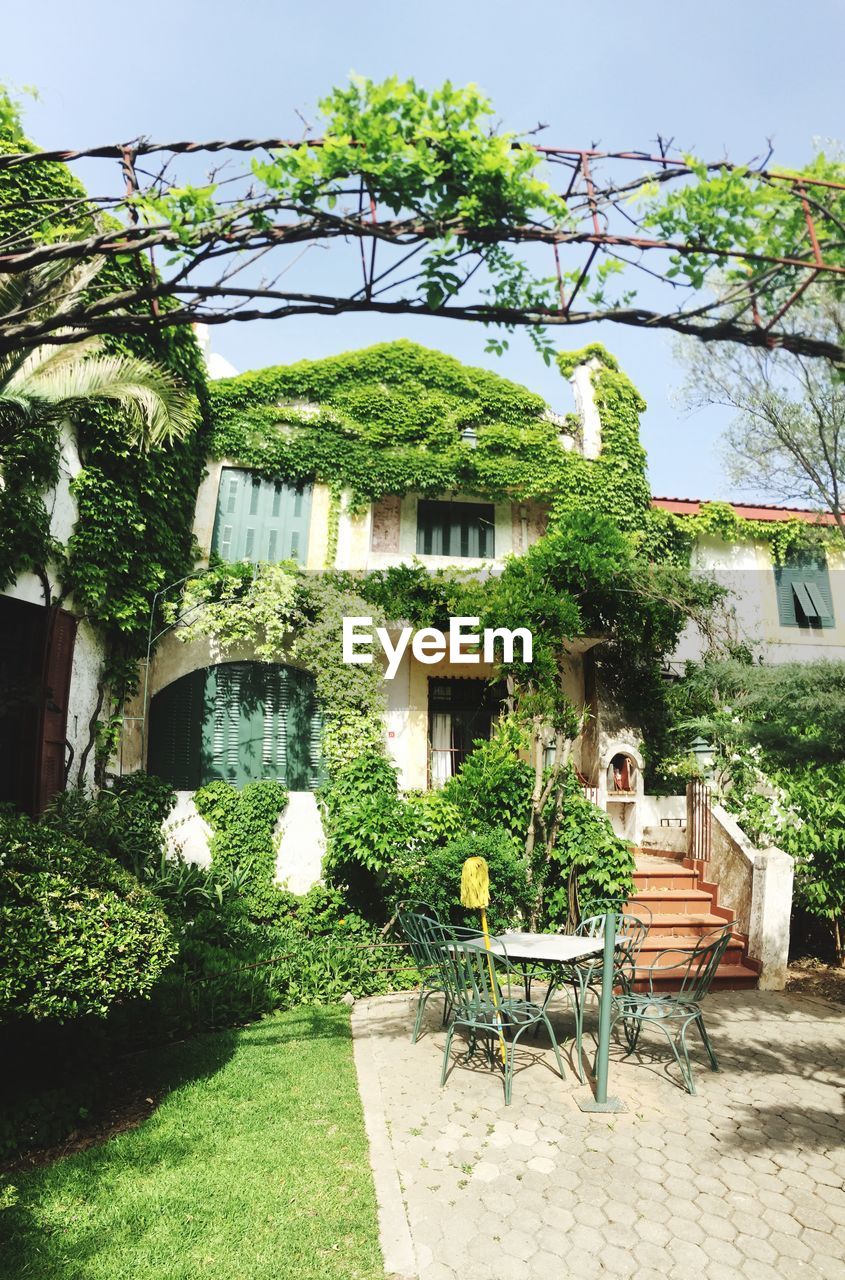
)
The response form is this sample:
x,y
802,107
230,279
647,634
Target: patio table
x,y
553,950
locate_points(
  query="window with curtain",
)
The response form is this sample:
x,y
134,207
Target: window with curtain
x,y
460,712
456,529
803,591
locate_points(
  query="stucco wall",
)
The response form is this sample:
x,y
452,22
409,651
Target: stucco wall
x,y
750,615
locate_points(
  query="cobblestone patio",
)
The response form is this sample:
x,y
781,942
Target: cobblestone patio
x,y
744,1180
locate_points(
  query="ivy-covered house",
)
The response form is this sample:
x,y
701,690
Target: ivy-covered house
x,y
391,456
402,456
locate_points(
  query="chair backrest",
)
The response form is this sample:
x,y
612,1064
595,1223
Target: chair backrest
x,y
474,979
702,965
631,933
420,924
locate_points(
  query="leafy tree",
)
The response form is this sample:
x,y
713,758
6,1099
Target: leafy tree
x,y
447,211
42,386
584,578
788,434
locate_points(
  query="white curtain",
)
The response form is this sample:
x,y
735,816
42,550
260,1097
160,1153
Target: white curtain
x,y
441,747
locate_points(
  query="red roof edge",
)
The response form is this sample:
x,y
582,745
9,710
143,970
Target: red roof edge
x,y
692,506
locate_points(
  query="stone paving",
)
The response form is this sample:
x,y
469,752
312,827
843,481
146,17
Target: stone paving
x,y
744,1180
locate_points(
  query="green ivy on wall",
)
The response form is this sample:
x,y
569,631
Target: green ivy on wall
x,y
133,533
388,421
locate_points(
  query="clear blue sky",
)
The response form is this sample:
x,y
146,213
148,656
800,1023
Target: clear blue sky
x,y
719,77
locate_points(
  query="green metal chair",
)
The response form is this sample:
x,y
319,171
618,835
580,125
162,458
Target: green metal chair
x,y
585,975
674,1012
414,919
423,932
479,987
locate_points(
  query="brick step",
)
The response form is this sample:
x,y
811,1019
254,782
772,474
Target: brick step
x,y
664,855
672,875
682,923
729,977
677,947
671,901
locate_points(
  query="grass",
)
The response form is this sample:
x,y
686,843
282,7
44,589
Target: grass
x,y
254,1166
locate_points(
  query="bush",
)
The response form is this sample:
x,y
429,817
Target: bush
x,y
369,827
588,850
243,850
78,933
438,882
493,787
125,822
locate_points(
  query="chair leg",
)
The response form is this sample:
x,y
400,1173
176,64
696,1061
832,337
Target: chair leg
x,y
699,1022
554,1046
678,1045
445,1069
447,1009
421,1003
579,997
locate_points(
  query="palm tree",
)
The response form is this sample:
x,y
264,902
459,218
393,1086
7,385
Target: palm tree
x,y
40,386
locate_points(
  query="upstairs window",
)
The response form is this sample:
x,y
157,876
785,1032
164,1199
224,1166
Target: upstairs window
x,y
456,529
260,520
803,592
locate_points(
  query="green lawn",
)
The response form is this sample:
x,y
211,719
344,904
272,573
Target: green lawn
x,y
254,1166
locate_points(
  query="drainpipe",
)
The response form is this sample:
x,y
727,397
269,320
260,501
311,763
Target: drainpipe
x,y
523,525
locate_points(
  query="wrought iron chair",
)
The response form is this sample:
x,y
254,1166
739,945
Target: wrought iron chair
x,y
423,932
479,985
585,975
412,918
674,1012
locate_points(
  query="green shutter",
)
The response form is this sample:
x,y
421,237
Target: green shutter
x,y
804,596
260,520
457,529
238,721
175,732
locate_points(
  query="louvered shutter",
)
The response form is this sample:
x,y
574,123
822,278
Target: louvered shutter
x,y
260,520
275,735
455,529
239,721
177,714
804,596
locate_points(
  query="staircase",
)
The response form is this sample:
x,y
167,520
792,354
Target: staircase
x,y
684,907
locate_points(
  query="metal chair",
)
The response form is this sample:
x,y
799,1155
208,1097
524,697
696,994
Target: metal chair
x,y
674,1012
413,919
423,932
585,975
479,987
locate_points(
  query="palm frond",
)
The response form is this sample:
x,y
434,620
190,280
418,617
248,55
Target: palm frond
x,y
158,408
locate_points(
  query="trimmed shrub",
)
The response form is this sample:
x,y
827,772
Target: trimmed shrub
x,y
78,933
439,879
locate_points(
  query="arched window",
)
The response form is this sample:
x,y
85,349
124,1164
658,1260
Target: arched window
x,y
238,721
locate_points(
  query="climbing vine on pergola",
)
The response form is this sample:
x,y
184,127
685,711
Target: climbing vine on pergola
x,y
426,209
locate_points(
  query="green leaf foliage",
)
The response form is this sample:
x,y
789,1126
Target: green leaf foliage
x,y
78,933
438,881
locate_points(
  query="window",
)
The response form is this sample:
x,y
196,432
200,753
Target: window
x,y
459,713
260,520
803,592
456,529
239,721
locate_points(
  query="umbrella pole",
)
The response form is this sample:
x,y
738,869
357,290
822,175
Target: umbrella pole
x,y
493,987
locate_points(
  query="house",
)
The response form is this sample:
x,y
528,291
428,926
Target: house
x,y
51,657
239,718
784,610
